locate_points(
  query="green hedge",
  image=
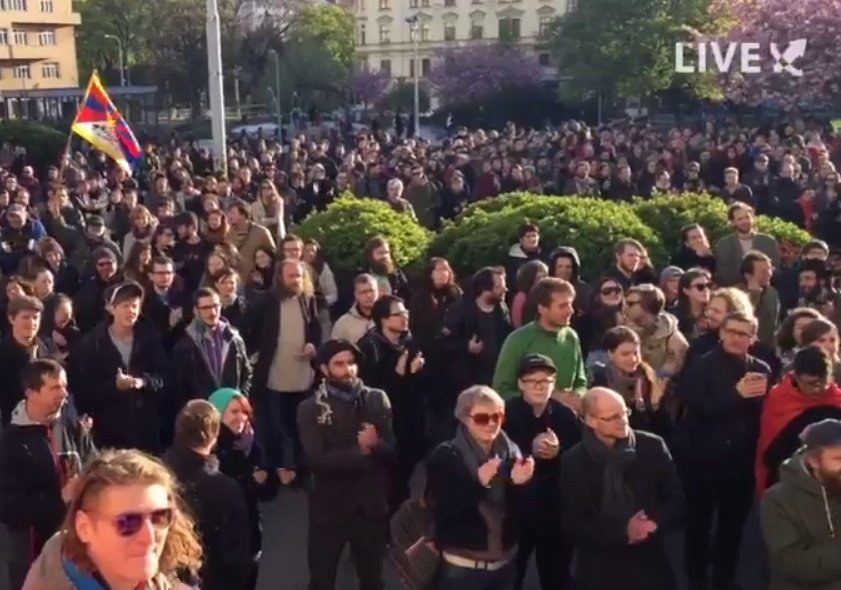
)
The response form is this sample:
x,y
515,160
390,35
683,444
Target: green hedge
x,y
486,231
349,223
43,144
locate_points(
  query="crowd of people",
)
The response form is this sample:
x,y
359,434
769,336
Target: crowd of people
x,y
173,355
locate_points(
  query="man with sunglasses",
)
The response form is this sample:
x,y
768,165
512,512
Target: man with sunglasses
x,y
88,301
547,427
40,455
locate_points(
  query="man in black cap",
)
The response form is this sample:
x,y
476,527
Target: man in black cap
x,y
542,427
88,303
347,438
119,372
96,236
801,514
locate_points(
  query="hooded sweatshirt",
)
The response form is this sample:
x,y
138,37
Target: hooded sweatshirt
x,y
583,291
352,326
784,416
801,524
48,573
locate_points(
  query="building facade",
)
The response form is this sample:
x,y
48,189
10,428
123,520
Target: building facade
x,y
384,37
38,45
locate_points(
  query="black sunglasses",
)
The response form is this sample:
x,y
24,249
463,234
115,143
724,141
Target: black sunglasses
x,y
130,523
611,290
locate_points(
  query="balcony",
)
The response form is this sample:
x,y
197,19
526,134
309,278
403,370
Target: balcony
x,y
34,17
25,53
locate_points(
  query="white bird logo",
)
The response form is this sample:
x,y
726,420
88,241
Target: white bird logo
x,y
784,61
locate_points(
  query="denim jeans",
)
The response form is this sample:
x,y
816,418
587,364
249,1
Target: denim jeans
x,y
453,577
278,428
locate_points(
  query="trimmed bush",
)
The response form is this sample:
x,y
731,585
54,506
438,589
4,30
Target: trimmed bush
x,y
592,226
43,144
667,215
790,237
349,223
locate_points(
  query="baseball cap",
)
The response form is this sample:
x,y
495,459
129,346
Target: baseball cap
x,y
536,362
821,435
124,291
671,272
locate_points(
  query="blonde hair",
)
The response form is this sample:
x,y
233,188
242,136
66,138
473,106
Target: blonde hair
x,y
182,549
477,394
736,300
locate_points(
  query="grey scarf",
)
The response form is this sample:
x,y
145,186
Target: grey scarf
x,y
474,457
617,498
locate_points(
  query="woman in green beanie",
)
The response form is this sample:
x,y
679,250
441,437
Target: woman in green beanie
x,y
241,458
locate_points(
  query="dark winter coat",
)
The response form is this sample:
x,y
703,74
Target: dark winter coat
x,y
218,505
605,559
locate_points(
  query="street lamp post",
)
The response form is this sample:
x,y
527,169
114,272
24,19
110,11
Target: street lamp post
x,y
276,59
121,57
237,73
413,29
216,86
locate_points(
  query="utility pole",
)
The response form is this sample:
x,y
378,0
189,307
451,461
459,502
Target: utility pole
x,y
121,57
276,60
216,87
413,30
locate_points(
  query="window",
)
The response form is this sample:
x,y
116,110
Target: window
x,y
424,3
4,36
545,23
50,70
46,38
450,3
385,66
362,34
475,1
46,5
449,32
22,72
411,68
16,5
426,66
509,28
384,5
424,33
413,3
543,59
20,37
477,31
385,34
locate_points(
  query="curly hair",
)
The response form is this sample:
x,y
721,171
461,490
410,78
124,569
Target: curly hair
x,y
182,550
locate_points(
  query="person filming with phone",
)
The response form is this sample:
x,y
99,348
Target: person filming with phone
x,y
41,454
723,400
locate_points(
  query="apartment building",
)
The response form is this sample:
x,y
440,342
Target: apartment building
x,y
384,38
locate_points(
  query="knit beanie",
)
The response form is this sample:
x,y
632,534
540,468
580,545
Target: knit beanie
x,y
221,398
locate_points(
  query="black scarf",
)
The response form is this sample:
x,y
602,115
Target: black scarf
x,y
474,457
617,498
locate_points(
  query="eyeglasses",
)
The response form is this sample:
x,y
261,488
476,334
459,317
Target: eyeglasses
x,y
701,287
632,302
611,290
484,418
738,333
616,417
130,523
539,382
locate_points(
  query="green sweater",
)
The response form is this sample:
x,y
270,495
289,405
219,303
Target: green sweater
x,y
562,347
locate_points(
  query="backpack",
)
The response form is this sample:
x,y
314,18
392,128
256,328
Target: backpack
x,y
413,553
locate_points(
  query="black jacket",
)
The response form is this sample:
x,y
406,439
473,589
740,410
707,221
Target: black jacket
x,y
193,378
236,464
31,475
522,426
13,358
720,425
461,325
122,419
156,311
345,483
605,558
262,326
218,505
456,495
89,302
687,258
406,392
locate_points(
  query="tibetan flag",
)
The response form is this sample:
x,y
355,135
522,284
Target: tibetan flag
x,y
101,124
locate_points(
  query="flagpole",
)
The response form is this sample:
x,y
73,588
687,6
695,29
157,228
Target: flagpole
x,y
66,155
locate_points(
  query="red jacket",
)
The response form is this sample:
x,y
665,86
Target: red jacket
x,y
784,405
